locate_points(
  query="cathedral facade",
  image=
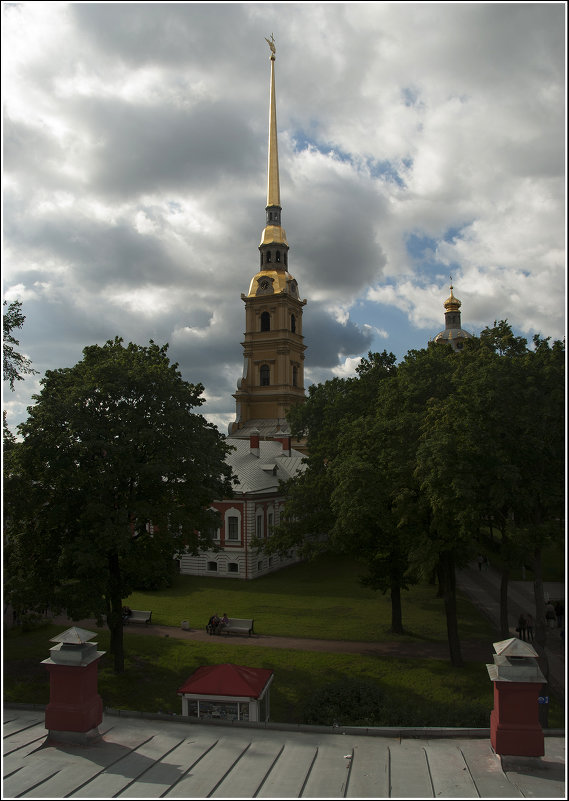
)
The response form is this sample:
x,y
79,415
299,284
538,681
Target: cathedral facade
x,y
272,381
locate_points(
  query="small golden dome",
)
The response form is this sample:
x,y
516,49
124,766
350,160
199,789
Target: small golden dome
x,y
452,303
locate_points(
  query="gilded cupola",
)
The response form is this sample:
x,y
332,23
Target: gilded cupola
x,y
453,333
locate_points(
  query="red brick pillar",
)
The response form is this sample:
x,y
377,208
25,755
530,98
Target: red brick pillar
x,y
514,721
75,708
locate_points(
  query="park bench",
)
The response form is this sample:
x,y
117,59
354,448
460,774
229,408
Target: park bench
x,y
139,616
237,625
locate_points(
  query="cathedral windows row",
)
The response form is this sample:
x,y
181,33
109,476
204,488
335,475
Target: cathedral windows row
x,y
265,375
266,322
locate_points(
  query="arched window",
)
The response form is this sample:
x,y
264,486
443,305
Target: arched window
x,y
278,255
265,373
265,321
292,323
268,256
232,526
285,258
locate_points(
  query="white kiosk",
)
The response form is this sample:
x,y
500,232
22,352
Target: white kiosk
x,y
227,692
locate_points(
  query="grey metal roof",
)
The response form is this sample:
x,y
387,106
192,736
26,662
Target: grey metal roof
x,y
252,471
271,427
153,757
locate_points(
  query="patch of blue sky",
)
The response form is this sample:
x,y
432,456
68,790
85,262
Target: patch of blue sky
x,y
420,246
392,327
303,141
410,96
386,170
423,251
454,232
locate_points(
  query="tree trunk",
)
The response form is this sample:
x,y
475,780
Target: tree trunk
x,y
504,622
396,616
448,581
440,581
540,635
114,613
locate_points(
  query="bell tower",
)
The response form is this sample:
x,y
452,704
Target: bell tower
x,y
273,348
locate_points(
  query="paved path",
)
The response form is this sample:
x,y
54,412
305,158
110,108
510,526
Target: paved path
x,y
483,589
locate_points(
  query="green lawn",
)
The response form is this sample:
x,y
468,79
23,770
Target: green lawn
x,y
321,599
421,692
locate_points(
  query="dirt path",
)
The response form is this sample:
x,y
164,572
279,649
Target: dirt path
x,y
472,650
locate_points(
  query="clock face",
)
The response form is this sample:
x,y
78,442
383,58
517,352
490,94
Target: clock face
x,y
264,284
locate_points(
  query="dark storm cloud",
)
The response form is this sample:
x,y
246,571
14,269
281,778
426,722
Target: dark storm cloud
x,y
99,253
143,149
32,150
335,236
326,338
174,33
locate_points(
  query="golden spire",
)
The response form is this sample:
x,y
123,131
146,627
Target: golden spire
x,y
273,188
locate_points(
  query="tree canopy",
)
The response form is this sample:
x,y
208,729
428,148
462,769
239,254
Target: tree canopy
x,y
407,464
115,474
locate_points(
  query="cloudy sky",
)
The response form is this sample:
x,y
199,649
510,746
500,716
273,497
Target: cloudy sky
x,y
416,141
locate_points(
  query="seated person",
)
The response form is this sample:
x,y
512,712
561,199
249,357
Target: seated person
x,y
213,624
126,613
224,621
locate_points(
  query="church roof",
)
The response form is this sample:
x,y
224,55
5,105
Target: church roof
x,y
450,335
227,679
252,471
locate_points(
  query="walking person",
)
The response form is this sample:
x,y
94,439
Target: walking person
x,y
521,629
550,616
529,627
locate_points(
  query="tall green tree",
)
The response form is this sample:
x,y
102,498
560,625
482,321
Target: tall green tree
x,y
362,502
114,468
494,448
14,364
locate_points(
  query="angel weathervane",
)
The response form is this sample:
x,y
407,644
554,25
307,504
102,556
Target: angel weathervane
x,y
271,43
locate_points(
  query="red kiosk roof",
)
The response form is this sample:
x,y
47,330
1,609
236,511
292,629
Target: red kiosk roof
x,y
227,679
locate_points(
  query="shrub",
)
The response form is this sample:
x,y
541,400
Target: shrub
x,y
350,702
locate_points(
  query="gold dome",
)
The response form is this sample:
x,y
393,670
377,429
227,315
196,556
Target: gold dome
x,y
273,282
452,303
273,234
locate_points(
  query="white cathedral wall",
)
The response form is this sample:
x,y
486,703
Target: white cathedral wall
x,y
242,562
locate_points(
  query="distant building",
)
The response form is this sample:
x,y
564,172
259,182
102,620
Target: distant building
x,y
453,334
272,381
252,513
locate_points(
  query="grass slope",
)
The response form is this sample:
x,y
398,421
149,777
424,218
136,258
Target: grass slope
x,y
321,599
